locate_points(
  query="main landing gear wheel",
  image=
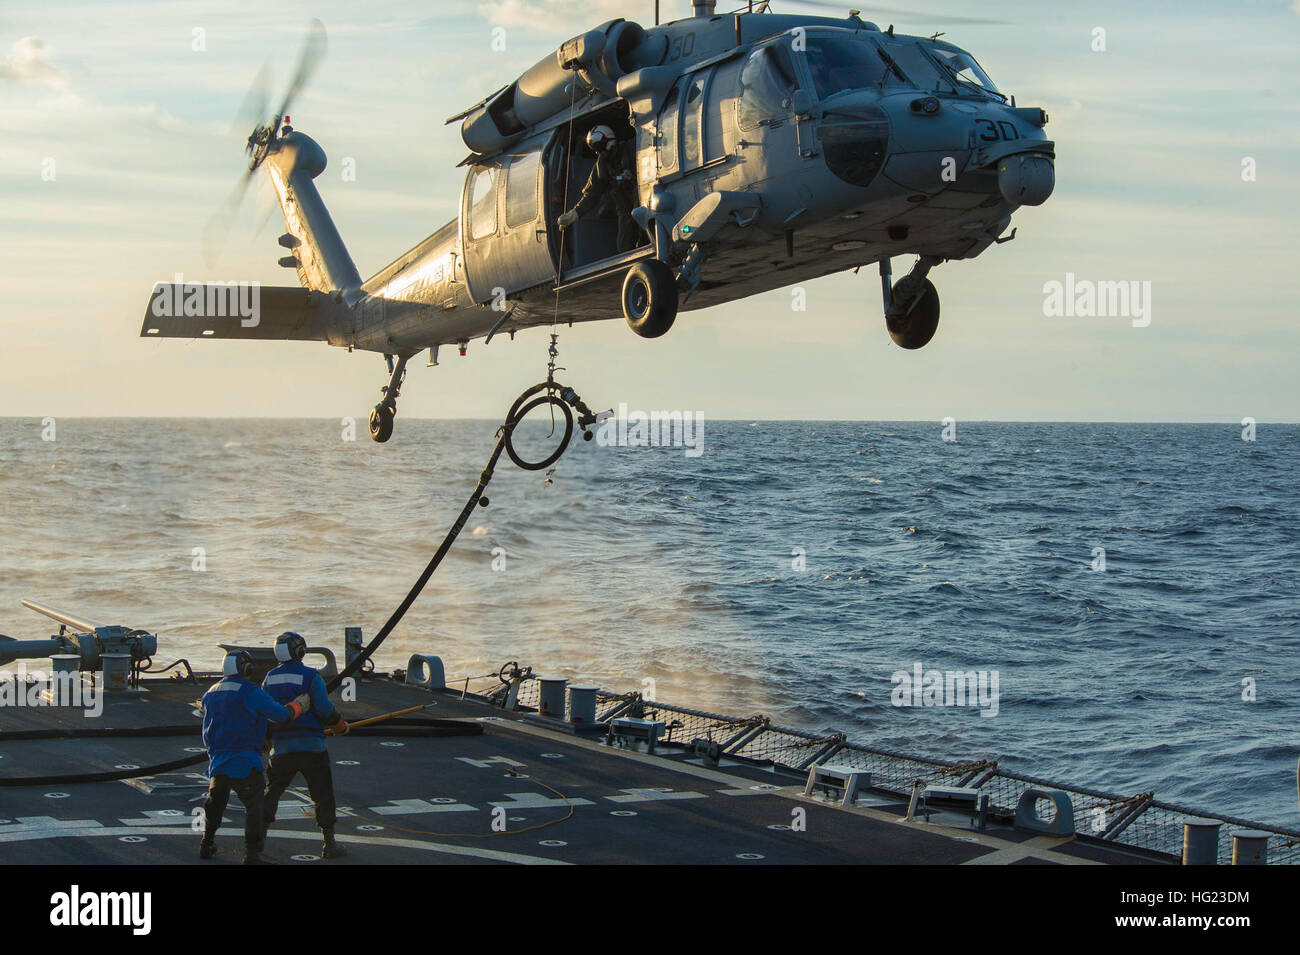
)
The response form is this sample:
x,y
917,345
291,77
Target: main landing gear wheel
x,y
381,418
381,422
914,328
650,298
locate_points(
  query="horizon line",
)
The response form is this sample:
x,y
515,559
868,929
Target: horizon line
x,y
1226,422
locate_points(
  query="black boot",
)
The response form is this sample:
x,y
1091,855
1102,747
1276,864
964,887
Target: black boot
x,y
329,848
253,855
208,847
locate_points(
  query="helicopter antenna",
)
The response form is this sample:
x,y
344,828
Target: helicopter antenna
x,y
656,12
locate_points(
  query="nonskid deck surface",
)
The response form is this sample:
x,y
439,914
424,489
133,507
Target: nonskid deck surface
x,y
422,800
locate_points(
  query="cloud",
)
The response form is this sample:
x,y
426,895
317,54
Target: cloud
x,y
28,64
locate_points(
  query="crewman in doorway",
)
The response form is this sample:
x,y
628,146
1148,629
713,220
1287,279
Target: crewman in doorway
x,y
613,176
300,748
235,716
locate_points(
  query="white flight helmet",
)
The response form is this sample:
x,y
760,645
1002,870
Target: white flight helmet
x,y
601,138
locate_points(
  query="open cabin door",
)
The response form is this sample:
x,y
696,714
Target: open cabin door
x,y
592,241
503,225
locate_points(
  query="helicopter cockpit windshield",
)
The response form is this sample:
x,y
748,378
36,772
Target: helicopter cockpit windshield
x,y
845,63
840,63
962,66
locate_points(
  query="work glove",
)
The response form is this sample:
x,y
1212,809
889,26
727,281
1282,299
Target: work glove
x,y
567,219
299,706
338,728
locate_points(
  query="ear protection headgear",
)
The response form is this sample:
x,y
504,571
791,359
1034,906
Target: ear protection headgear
x,y
238,663
290,646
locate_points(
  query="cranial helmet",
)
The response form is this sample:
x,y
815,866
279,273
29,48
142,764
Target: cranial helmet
x,y
601,138
238,663
290,646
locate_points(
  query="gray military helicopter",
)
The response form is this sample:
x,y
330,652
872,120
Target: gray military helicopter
x,y
768,149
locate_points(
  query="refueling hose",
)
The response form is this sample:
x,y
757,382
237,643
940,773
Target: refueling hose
x,y
555,394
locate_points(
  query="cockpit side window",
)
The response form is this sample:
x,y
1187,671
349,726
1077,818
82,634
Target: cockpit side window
x,y
839,63
766,82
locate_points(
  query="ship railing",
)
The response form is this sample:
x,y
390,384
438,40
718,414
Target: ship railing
x,y
1140,822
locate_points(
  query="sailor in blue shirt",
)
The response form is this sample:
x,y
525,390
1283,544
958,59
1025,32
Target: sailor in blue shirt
x,y
300,747
235,717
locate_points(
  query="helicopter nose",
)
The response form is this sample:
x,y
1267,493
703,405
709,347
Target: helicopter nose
x,y
1026,179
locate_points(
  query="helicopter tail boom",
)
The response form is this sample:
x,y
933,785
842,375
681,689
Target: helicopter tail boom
x,y
315,248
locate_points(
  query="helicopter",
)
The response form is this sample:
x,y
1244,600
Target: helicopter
x,y
769,149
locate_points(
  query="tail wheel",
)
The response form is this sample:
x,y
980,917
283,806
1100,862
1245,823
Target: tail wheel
x,y
650,298
381,423
914,328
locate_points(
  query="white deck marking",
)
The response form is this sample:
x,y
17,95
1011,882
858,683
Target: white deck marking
x,y
8,835
160,817
653,795
1035,848
411,807
537,801
44,824
491,761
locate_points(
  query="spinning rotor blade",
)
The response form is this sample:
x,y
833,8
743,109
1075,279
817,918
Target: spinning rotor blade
x,y
217,229
904,16
253,113
313,51
253,110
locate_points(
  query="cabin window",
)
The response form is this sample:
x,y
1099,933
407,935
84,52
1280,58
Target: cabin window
x,y
521,189
482,202
668,131
693,123
766,81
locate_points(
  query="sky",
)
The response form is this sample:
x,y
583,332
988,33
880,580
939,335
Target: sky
x,y
135,125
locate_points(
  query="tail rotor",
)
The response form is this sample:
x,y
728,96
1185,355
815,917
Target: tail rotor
x,y
264,134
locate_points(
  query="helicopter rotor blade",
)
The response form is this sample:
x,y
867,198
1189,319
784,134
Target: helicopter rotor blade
x,y
266,206
905,16
217,229
313,51
253,112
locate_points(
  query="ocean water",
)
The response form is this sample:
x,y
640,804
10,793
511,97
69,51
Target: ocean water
x,y
792,569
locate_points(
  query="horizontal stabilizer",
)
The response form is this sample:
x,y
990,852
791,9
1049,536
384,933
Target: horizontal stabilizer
x,y
245,311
